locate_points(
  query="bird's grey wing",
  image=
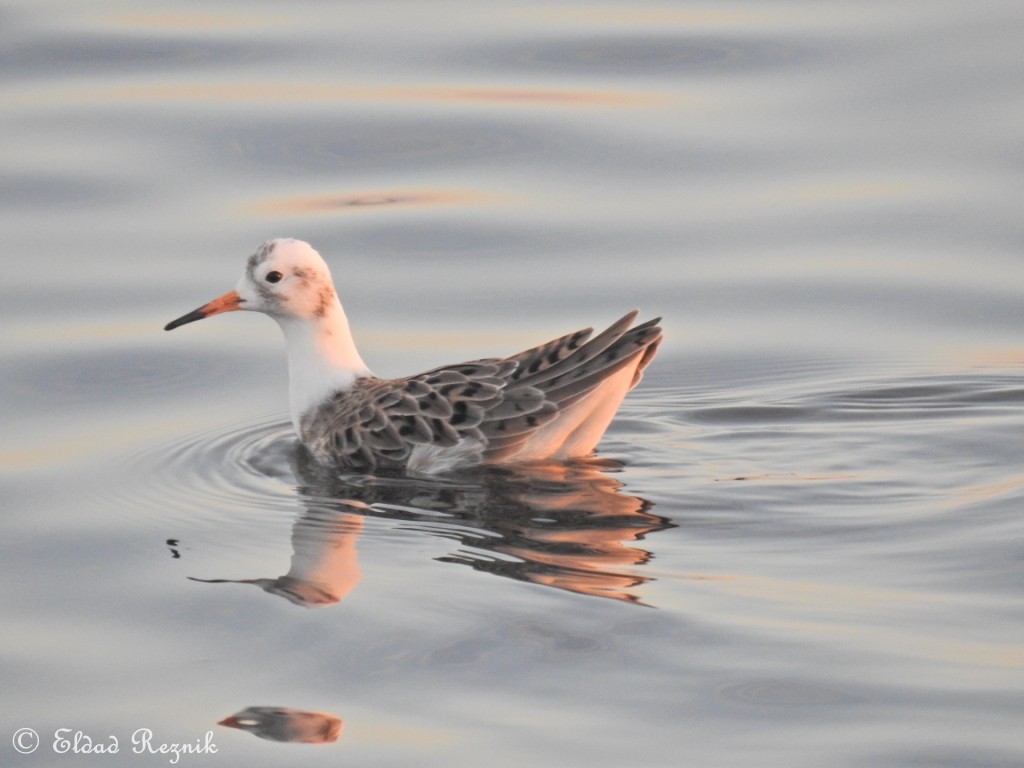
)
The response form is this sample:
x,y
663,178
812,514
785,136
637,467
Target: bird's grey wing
x,y
357,428
378,422
564,371
448,404
502,402
496,401
604,355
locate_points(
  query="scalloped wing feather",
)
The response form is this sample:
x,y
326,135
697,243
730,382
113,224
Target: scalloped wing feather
x,y
485,410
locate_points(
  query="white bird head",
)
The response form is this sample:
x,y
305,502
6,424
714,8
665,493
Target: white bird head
x,y
286,279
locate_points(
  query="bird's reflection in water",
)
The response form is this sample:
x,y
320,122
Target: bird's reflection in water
x,y
324,567
564,525
286,724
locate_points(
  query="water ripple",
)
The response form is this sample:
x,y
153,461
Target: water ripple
x,y
132,373
643,55
771,694
567,526
118,53
358,202
322,147
311,93
914,396
220,473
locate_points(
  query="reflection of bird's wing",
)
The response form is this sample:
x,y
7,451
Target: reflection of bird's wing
x,y
492,406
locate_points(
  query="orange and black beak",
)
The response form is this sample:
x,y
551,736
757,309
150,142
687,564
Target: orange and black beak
x,y
229,302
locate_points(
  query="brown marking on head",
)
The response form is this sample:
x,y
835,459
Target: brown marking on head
x,y
324,300
261,255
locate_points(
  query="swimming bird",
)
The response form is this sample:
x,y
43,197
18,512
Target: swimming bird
x,y
554,401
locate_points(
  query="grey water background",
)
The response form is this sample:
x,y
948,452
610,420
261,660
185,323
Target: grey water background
x,y
802,544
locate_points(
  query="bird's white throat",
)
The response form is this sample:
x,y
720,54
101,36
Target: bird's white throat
x,y
322,359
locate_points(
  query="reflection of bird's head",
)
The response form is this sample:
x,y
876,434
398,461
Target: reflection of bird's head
x,y
298,592
305,593
286,724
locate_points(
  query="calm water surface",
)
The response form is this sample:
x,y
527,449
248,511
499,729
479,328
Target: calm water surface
x,y
802,542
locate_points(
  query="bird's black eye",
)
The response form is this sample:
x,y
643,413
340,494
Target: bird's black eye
x,y
273,276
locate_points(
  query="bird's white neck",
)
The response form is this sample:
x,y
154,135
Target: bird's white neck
x,y
322,359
